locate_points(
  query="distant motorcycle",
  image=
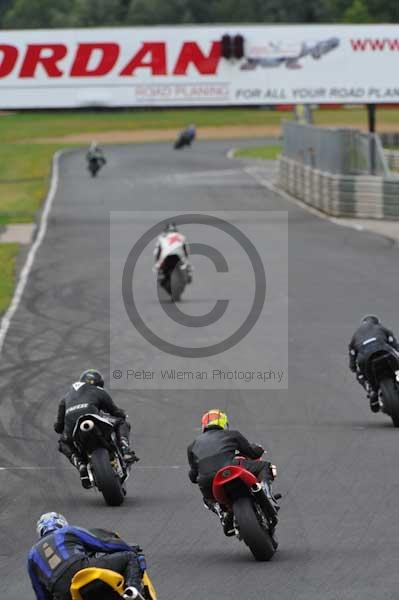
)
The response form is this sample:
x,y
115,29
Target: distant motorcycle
x,y
185,138
94,164
255,518
173,276
95,438
382,371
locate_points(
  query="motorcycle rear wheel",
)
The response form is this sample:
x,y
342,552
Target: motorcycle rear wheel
x,y
106,479
254,535
176,284
390,395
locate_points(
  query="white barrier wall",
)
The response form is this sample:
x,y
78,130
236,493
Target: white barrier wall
x,y
172,66
361,196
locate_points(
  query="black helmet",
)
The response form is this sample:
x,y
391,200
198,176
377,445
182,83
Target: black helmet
x,y
92,376
371,319
170,227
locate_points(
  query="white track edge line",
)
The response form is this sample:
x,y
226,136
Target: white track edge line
x,y
25,272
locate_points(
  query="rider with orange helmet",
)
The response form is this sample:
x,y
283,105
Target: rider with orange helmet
x,y
217,447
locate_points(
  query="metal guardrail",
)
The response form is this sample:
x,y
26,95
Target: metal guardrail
x,y
337,151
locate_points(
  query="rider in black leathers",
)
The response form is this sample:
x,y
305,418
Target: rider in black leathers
x,y
95,153
217,447
370,337
88,396
63,550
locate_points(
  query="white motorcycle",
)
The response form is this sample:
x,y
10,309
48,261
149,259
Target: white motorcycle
x,y
173,274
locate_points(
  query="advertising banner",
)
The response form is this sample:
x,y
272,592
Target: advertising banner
x,y
183,66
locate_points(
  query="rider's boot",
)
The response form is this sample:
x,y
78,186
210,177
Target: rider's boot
x,y
228,524
82,468
226,518
133,583
373,399
128,454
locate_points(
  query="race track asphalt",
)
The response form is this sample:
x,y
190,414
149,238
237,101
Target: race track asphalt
x,y
338,463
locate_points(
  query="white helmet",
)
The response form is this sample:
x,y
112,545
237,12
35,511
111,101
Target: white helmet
x,y
49,522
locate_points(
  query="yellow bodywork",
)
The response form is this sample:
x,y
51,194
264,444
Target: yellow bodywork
x,y
148,584
82,578
114,580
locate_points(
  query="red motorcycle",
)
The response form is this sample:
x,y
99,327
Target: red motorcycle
x,y
254,516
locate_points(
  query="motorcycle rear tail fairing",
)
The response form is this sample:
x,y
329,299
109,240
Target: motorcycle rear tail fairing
x,y
103,584
229,481
93,583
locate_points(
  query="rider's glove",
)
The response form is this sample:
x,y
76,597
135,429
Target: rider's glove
x,y
258,449
58,428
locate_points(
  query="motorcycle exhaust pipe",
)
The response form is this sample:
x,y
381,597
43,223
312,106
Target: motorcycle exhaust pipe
x,y
264,502
131,593
86,426
258,487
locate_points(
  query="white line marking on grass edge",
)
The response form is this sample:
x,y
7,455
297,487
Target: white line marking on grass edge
x,y
24,275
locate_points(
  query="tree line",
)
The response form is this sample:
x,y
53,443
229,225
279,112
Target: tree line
x,y
33,14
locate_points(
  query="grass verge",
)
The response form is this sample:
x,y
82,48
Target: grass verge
x,y
30,126
34,125
24,173
265,152
8,254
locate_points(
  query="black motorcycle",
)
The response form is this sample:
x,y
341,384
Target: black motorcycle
x,y
382,371
94,164
96,441
185,138
173,276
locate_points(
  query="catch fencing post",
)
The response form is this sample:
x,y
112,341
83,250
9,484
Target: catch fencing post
x,y
371,112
